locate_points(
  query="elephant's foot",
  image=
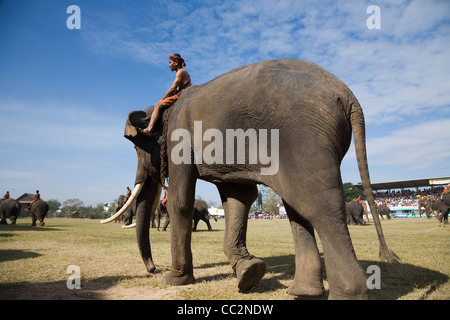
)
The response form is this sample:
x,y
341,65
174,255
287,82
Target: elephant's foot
x,y
176,277
305,290
42,224
249,273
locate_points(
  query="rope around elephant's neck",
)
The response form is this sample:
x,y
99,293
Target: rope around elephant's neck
x,y
164,171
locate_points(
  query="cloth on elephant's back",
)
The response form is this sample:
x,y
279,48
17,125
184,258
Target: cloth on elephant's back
x,y
164,171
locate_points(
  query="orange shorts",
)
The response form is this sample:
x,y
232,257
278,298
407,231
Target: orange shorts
x,y
167,102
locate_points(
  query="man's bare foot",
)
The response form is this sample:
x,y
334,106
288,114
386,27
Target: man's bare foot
x,y
146,132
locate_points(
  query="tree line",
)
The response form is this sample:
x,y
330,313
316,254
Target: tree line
x,y
75,208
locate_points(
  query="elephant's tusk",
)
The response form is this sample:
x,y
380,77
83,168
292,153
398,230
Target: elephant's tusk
x,y
137,189
130,226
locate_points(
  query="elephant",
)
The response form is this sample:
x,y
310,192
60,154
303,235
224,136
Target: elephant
x,y
441,205
119,204
38,211
129,214
9,208
355,213
200,213
384,211
159,212
310,115
422,203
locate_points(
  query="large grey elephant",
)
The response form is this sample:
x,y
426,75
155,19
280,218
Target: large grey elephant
x,y
9,208
309,115
38,211
355,213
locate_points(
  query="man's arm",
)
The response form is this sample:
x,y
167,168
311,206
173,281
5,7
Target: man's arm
x,y
176,84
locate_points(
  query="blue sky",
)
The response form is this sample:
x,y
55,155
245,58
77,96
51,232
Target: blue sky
x,y
65,94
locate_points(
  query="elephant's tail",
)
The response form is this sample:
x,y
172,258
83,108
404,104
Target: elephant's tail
x,y
359,133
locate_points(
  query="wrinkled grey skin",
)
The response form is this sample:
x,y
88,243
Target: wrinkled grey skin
x,y
38,211
9,208
384,211
355,213
315,114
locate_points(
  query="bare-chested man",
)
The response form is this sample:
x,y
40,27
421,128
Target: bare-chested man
x,y
182,81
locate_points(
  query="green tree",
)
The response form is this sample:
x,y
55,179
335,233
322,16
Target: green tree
x,y
53,206
271,200
71,206
351,192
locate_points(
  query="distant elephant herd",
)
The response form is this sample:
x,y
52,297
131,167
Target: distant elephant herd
x,y
200,213
356,210
10,208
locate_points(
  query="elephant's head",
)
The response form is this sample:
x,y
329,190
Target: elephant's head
x,y
148,149
147,189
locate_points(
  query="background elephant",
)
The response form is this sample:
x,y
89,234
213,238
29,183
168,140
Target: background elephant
x,y
38,211
119,204
9,208
310,116
161,211
422,203
355,213
442,206
129,214
384,211
200,213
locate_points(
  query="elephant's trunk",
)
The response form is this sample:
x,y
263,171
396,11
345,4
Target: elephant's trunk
x,y
146,205
137,189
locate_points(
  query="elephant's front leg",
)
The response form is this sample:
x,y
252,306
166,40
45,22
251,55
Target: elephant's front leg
x,y
180,205
237,200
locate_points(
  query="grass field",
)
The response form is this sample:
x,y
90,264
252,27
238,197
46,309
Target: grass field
x,y
34,261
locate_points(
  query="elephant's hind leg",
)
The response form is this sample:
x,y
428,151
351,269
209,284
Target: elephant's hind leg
x,y
237,200
346,278
308,281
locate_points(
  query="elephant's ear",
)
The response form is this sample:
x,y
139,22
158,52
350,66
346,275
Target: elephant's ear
x,y
138,119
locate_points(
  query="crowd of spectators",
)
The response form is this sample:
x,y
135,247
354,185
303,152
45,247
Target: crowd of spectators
x,y
406,197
